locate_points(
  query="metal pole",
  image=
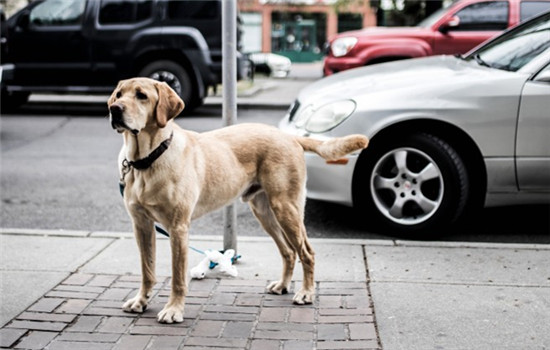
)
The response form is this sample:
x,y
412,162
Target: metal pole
x,y
229,106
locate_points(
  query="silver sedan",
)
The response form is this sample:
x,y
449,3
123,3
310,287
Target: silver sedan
x,y
448,134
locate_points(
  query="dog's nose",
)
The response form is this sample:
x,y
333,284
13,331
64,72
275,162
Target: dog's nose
x,y
116,111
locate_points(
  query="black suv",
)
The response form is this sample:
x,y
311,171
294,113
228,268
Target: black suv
x,y
89,45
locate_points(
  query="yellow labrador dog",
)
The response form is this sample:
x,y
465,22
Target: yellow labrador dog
x,y
173,176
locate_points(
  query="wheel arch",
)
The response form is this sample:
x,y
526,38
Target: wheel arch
x,y
464,145
177,57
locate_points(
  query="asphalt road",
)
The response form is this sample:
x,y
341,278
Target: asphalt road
x,y
58,171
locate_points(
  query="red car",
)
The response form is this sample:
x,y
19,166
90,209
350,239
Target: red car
x,y
453,30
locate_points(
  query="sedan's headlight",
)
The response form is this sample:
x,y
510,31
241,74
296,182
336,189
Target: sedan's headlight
x,y
324,118
342,46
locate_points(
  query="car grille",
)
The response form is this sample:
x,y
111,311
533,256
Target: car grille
x,y
295,106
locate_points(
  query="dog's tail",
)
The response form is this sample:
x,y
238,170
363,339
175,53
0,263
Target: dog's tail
x,y
336,148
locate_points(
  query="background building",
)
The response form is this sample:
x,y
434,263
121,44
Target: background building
x,y
298,29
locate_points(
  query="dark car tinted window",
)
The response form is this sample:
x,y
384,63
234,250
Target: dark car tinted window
x,y
58,13
124,11
529,9
192,9
484,16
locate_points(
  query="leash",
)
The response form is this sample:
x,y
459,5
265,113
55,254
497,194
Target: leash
x,y
162,231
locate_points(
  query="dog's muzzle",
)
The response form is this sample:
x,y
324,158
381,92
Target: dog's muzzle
x,y
116,112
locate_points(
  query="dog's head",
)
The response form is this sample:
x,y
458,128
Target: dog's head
x,y
141,102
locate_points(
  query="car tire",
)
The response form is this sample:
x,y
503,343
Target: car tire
x,y
177,78
413,187
13,100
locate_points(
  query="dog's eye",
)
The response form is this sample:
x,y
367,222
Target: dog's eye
x,y
118,94
141,95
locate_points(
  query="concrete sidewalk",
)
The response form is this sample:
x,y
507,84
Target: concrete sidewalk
x,y
64,289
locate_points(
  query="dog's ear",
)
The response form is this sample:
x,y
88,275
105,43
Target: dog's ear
x,y
169,104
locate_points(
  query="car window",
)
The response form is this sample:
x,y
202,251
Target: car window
x,y
192,9
58,13
491,15
518,47
529,9
124,11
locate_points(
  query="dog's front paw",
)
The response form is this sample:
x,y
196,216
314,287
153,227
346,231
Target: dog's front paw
x,y
303,297
277,287
171,314
136,304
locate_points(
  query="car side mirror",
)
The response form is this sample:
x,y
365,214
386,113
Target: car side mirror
x,y
24,21
543,77
449,24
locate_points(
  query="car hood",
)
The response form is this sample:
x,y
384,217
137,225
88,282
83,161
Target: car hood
x,y
386,33
415,79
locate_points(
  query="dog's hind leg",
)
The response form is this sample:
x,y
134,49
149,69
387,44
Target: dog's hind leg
x,y
289,214
145,238
261,209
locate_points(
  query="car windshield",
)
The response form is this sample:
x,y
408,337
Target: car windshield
x,y
431,19
516,48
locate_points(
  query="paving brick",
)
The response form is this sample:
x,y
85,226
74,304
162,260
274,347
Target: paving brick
x,y
249,300
338,312
262,344
345,319
73,306
216,342
341,345
238,329
288,335
232,309
283,327
133,342
85,324
115,294
298,345
362,331
71,345
205,284
46,304
103,311
205,328
8,336
331,332
40,326
102,280
239,282
41,316
345,285
223,316
241,289
165,342
330,301
160,330
79,289
37,340
89,337
72,295
223,299
79,279
273,314
152,322
302,315
115,325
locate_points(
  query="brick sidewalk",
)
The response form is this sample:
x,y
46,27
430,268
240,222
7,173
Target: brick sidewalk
x,y
84,312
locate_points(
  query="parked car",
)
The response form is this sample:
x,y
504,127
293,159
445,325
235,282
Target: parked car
x,y
453,30
88,46
270,64
448,133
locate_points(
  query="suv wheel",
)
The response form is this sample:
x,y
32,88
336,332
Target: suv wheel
x,y
176,77
412,186
13,100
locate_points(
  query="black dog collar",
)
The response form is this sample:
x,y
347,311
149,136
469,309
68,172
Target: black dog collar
x,y
142,164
